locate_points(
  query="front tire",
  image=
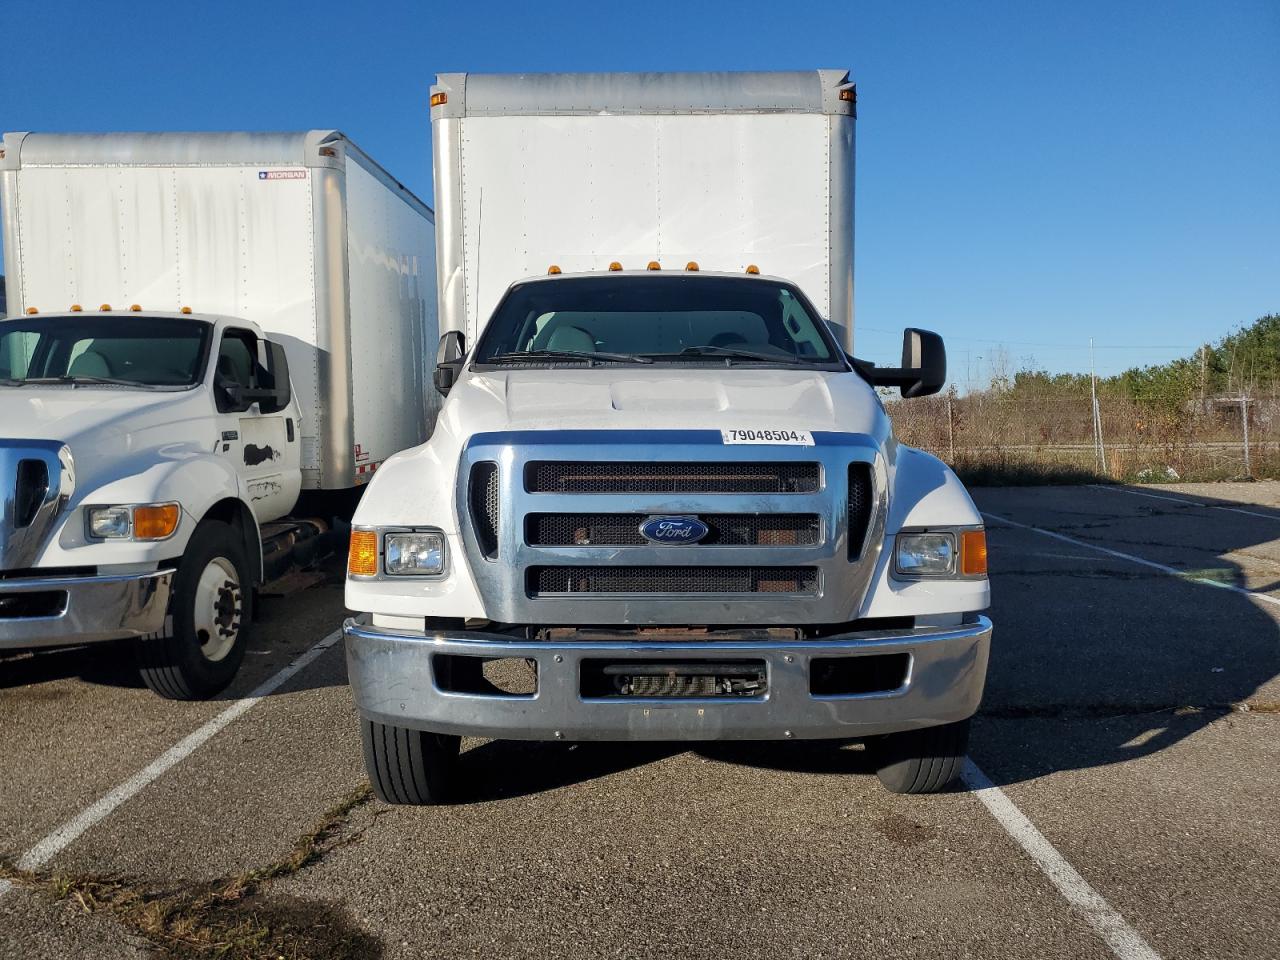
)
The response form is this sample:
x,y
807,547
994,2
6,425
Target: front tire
x,y
409,766
211,608
921,761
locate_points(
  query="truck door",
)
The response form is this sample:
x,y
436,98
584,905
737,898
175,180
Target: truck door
x,y
263,447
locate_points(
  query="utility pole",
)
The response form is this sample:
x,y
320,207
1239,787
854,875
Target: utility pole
x,y
1098,451
1204,378
951,428
1244,420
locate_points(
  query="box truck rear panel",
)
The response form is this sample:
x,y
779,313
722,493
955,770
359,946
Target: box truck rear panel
x,y
391,264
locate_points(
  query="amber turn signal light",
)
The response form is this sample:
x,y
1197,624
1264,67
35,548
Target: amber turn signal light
x,y
362,560
155,522
973,553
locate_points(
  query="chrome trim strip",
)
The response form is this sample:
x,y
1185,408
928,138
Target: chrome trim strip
x,y
21,546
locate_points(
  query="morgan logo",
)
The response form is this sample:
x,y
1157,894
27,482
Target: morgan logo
x,y
673,530
282,174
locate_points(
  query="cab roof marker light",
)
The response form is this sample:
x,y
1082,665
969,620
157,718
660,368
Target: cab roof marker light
x,y
32,311
553,269
75,308
185,310
654,265
439,98
692,266
105,308
753,269
135,308
615,266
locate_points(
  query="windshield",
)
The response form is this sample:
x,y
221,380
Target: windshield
x,y
128,350
650,319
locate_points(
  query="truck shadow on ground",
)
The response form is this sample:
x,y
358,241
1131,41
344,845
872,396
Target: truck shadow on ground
x,y
104,664
1097,660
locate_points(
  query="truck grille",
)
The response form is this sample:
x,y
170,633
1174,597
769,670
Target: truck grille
x,y
484,503
860,504
554,581
621,476
32,487
623,529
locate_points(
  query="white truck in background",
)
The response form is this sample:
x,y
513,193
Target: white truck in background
x,y
662,501
203,328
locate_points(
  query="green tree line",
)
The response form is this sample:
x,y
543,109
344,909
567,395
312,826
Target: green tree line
x,y
1247,360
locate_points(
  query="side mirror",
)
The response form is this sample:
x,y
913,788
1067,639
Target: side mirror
x,y
924,365
276,394
449,359
230,396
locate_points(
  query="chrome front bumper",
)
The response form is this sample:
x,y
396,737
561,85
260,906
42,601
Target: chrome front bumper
x,y
393,681
47,612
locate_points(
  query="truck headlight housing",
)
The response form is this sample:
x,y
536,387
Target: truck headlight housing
x,y
940,554
142,521
418,553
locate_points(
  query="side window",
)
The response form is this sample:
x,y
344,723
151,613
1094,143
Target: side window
x,y
237,367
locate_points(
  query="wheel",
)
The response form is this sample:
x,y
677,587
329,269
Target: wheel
x,y
210,608
921,761
409,766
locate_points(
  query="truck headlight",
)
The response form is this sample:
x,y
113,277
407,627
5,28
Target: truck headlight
x,y
143,521
110,522
418,554
137,521
933,554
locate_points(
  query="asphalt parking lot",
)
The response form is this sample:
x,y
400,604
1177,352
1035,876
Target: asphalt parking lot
x,y
1121,799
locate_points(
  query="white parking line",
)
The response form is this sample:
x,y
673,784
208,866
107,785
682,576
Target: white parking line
x,y
1163,568
1185,502
51,845
1125,942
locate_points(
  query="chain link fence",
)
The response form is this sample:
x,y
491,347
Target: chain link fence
x,y
999,438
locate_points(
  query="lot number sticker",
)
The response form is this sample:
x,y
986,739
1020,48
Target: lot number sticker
x,y
790,438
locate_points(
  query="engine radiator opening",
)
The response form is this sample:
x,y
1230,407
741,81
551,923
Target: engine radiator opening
x,y
678,679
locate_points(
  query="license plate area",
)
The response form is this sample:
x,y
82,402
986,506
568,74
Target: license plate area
x,y
728,679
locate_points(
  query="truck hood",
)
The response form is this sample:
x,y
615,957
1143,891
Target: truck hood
x,y
686,398
96,423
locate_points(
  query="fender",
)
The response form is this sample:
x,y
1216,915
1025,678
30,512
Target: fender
x,y
923,492
203,484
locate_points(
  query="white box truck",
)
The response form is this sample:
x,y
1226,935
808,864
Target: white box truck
x,y
663,501
202,327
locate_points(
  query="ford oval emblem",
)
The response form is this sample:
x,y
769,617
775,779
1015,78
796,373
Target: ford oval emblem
x,y
673,530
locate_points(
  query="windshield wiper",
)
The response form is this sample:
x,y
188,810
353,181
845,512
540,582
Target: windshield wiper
x,y
728,353
73,380
519,356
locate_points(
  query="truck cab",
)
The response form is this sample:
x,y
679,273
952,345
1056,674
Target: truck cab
x,y
143,453
666,505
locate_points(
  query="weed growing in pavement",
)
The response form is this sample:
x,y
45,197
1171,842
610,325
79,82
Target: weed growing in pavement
x,y
230,917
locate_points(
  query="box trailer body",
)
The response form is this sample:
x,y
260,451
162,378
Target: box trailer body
x,y
300,233
583,170
663,501
202,326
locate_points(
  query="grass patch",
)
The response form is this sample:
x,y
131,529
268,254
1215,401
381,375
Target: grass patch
x,y
230,917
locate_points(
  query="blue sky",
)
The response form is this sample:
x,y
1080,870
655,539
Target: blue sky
x,y
1030,175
